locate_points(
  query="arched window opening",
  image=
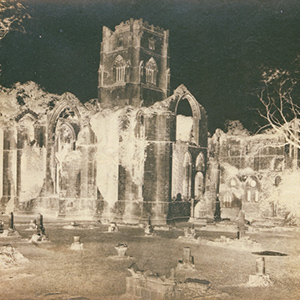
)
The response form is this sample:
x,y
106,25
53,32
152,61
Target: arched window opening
x,y
141,69
200,164
199,185
26,129
187,176
227,199
252,190
78,184
252,195
151,71
67,113
277,180
184,108
184,122
230,199
57,176
168,75
65,138
233,193
151,43
119,67
120,41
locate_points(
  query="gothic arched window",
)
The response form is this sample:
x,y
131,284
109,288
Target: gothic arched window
x,y
151,71
65,137
199,185
227,199
141,69
151,43
252,189
200,165
119,68
187,174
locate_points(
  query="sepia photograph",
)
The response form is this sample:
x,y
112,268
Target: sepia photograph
x,y
149,149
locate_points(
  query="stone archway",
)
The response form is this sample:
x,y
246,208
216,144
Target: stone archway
x,y
188,115
67,160
63,159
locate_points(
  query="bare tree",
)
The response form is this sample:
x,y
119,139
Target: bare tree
x,y
12,14
280,108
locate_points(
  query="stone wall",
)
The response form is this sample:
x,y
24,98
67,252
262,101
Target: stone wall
x,y
150,288
248,166
182,282
116,157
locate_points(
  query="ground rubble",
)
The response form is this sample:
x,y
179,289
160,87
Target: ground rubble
x,y
10,257
181,282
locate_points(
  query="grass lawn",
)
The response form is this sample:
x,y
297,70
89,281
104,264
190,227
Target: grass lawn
x,y
55,272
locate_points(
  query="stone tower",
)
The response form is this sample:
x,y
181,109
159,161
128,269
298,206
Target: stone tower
x,y
134,65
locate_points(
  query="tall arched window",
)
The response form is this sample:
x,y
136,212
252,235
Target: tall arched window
x,y
119,68
252,189
231,195
200,165
227,199
151,43
151,71
141,69
199,185
186,188
65,137
26,130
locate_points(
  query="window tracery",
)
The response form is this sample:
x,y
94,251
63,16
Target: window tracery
x,y
119,67
151,71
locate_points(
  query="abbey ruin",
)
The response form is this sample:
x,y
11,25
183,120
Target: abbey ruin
x,y
138,148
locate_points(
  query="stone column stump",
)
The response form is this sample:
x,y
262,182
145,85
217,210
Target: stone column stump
x,y
260,279
241,224
121,249
77,245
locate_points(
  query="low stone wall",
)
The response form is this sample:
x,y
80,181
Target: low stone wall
x,y
182,282
159,288
150,288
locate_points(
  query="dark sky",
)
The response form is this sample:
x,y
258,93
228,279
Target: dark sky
x,y
218,48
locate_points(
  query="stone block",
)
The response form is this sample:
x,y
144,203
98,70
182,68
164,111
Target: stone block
x,y
141,282
260,266
145,294
138,292
162,288
259,280
76,246
129,287
151,284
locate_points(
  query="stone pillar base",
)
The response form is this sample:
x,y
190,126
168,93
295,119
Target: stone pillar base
x,y
259,280
198,221
130,220
159,222
77,246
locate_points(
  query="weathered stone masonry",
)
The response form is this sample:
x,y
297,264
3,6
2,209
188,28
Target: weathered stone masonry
x,y
123,156
128,154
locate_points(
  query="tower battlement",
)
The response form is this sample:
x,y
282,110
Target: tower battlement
x,y
136,25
